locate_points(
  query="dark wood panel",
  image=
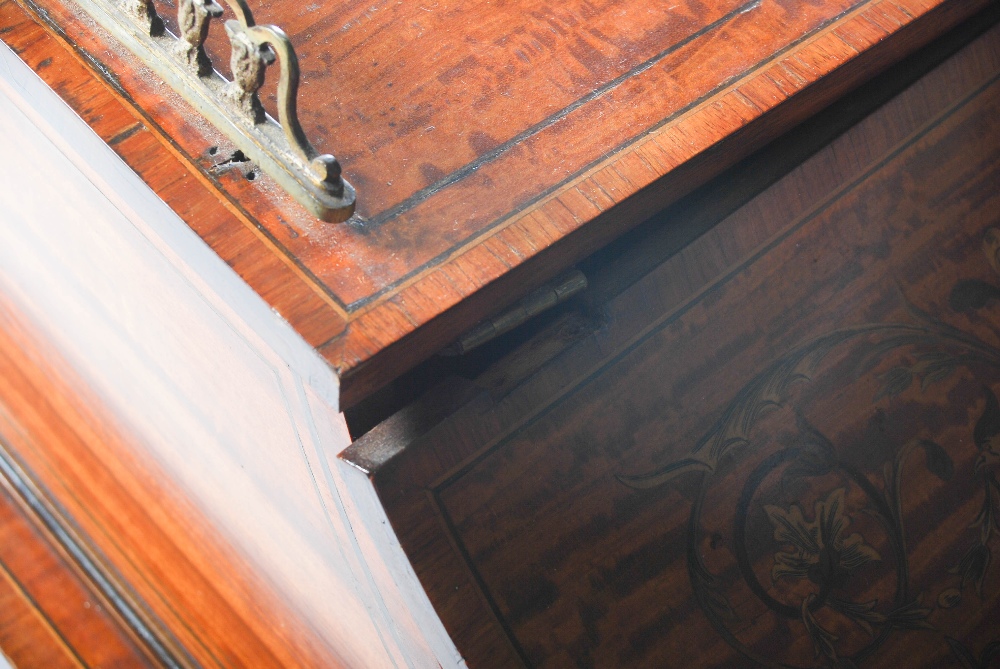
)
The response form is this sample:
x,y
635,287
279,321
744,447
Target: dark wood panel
x,y
524,172
774,448
643,248
612,195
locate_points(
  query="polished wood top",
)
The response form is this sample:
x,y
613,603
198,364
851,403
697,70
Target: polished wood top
x,y
493,144
622,489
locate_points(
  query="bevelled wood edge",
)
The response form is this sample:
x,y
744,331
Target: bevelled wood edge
x,y
146,634
174,176
628,188
408,480
377,342
177,564
377,447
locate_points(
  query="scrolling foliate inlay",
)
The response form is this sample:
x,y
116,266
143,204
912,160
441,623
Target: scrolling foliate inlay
x,y
279,147
804,534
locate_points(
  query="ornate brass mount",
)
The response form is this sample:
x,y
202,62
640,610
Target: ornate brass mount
x,y
280,149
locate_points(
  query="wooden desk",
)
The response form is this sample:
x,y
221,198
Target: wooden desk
x,y
524,139
645,481
607,486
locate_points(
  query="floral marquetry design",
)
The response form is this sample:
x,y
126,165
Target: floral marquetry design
x,y
817,566
820,551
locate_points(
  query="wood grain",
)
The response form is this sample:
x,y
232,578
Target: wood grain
x,y
66,445
51,617
185,428
523,140
236,239
585,515
74,446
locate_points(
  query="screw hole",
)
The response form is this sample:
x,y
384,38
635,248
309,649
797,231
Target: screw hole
x,y
238,157
251,176
212,150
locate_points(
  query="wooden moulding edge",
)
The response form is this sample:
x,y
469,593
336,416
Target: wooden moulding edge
x,y
145,630
368,355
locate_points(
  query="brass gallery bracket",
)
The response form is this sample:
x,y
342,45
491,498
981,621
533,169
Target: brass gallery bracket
x,y
280,147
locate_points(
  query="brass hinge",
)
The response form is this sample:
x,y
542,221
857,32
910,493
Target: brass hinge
x,y
559,290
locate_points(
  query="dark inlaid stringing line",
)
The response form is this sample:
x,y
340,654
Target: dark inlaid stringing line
x,y
485,230
111,80
58,513
487,594
126,133
442,484
41,613
108,76
468,169
21,485
447,480
553,118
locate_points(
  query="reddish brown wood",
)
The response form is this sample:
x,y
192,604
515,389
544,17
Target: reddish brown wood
x,y
25,636
207,603
554,130
514,508
156,158
501,467
49,617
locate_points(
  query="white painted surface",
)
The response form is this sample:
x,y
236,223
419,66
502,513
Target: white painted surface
x,y
231,401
